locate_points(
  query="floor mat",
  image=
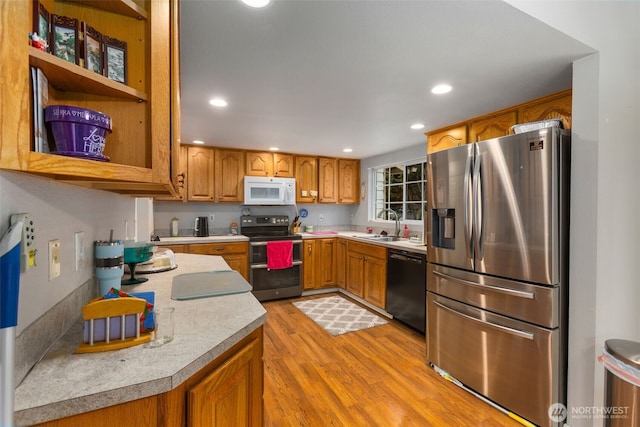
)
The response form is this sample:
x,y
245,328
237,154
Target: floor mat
x,y
338,315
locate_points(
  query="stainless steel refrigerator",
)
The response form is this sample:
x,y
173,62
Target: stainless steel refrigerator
x,y
497,278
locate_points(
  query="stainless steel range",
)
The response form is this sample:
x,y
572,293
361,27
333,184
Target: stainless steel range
x,y
269,284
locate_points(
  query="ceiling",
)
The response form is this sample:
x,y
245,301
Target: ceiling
x,y
317,76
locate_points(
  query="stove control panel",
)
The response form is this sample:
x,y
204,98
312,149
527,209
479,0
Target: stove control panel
x,y
257,221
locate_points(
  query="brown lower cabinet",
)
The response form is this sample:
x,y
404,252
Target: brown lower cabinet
x,y
319,263
367,272
227,392
236,254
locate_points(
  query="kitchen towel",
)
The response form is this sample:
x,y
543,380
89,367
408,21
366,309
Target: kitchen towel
x,y
279,254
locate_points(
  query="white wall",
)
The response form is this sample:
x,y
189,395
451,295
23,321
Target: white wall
x,y
335,216
59,211
360,215
604,270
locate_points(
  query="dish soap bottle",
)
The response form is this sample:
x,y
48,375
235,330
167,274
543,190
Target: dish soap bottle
x,y
405,232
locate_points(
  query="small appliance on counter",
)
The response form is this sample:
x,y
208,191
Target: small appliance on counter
x,y
201,226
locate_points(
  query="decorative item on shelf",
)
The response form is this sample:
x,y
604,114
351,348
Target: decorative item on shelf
x,y
92,48
41,26
64,38
78,132
115,59
38,42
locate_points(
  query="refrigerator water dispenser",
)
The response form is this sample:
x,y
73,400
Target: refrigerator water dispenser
x,y
443,224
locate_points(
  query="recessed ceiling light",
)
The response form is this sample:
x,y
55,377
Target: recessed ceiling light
x,y
273,148
218,102
417,126
256,3
440,89
347,150
197,141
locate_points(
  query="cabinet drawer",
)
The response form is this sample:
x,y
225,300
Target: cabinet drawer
x,y
219,248
367,249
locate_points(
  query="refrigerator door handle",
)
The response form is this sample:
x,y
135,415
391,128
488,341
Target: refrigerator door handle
x,y
506,329
468,204
507,291
478,200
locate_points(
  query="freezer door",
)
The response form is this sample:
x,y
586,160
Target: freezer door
x,y
513,363
449,203
517,194
535,304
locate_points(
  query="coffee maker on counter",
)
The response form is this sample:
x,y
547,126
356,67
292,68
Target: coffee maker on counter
x,y
201,226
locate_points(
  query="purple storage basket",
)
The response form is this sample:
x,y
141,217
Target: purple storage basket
x,y
78,132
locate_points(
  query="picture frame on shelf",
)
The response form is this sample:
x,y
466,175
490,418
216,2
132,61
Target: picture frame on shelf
x,y
92,49
41,20
115,59
64,38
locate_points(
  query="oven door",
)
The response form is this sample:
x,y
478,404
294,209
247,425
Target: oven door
x,y
271,284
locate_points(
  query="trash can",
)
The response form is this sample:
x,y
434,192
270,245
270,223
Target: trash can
x,y
621,359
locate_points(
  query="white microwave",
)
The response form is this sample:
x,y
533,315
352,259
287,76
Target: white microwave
x,y
260,190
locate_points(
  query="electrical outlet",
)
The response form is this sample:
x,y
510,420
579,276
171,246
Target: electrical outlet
x,y
28,242
212,217
79,249
321,217
54,259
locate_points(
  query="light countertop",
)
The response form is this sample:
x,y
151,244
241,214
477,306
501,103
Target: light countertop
x,y
404,244
187,240
64,383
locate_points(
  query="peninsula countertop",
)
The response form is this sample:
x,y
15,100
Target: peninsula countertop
x,y
64,383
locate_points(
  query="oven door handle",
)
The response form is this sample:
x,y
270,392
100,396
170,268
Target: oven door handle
x,y
508,330
256,266
295,242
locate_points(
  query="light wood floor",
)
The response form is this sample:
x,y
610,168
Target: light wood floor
x,y
373,377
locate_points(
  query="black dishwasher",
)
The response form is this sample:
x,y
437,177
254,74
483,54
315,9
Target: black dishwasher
x,y
407,287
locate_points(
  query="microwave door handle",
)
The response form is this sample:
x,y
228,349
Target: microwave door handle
x,y
506,329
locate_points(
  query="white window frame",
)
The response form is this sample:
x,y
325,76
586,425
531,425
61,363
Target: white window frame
x,y
372,205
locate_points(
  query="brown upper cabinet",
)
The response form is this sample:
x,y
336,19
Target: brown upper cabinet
x,y
499,123
306,173
348,181
141,110
200,164
328,180
492,126
261,163
447,138
229,174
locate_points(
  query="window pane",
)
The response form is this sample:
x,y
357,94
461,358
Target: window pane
x,y
414,211
414,192
395,193
414,172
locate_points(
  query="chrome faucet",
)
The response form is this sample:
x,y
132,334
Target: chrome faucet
x,y
397,233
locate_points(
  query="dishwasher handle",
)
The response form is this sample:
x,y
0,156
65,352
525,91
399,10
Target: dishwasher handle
x,y
403,257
